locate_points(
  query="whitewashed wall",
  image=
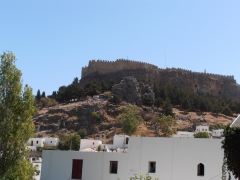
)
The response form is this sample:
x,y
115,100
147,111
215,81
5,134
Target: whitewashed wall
x,y
217,132
88,143
202,129
38,142
51,141
176,159
183,134
57,165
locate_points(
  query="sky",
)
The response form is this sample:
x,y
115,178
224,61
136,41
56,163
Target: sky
x,y
53,40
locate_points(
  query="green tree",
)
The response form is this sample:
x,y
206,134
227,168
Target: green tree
x,y
231,147
165,124
186,104
158,102
61,96
142,177
38,96
168,108
16,124
71,143
43,94
201,135
130,118
95,116
227,111
82,133
115,99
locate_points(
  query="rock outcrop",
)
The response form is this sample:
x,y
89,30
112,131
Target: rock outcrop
x,y
133,92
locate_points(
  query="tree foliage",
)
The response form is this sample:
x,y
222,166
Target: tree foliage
x,y
231,147
16,124
115,99
44,102
82,133
142,177
130,118
165,124
72,142
201,135
167,95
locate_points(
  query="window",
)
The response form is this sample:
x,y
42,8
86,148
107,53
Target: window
x,y
200,169
37,142
77,168
93,143
152,167
113,167
127,139
51,141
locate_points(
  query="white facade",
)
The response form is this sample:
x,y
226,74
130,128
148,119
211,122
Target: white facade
x,y
51,141
33,143
87,143
120,143
217,133
182,134
37,142
173,159
202,129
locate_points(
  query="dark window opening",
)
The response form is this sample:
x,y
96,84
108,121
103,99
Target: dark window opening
x,y
127,139
200,169
37,142
77,168
113,167
152,167
93,143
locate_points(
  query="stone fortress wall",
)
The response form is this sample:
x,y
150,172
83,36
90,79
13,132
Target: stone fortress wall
x,y
104,66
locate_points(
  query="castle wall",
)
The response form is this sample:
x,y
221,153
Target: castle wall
x,y
102,66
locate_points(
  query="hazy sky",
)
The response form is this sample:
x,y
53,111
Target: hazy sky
x,y
53,40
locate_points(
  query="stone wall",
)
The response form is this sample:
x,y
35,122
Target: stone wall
x,y
103,66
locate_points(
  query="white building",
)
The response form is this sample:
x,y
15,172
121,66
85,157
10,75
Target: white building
x,y
217,133
202,129
85,144
120,143
183,134
163,158
40,142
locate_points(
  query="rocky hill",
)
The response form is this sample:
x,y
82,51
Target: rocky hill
x,y
98,116
78,115
205,83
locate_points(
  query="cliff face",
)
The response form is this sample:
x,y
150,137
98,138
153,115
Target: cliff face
x,y
212,84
